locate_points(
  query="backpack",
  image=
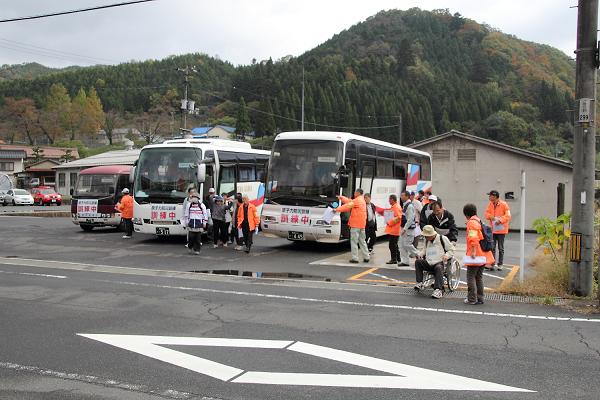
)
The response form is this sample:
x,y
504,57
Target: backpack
x,y
487,243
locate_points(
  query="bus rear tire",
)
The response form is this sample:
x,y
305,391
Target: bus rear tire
x,y
86,228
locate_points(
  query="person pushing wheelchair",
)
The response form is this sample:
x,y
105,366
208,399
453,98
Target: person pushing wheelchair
x,y
437,252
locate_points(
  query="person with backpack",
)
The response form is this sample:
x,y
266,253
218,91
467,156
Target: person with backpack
x,y
478,254
407,237
498,214
436,253
195,219
371,227
219,225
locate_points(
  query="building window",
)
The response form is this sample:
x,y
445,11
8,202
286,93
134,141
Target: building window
x,y
61,179
441,154
7,166
467,154
72,179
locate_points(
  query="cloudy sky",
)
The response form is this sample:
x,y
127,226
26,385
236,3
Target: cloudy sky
x,y
239,30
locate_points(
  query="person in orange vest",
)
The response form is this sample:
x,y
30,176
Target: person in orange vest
x,y
248,221
498,214
357,222
392,229
125,207
479,257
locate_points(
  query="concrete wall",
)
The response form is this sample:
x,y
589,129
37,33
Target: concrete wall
x,y
459,182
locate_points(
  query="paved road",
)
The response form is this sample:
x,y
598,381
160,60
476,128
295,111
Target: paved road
x,y
58,239
9,208
45,306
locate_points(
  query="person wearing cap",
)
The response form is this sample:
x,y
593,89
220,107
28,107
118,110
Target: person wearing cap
x,y
125,207
407,237
427,210
195,218
418,208
436,253
219,226
498,215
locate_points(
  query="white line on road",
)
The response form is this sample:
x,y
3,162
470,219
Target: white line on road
x,y
486,274
170,393
353,303
32,274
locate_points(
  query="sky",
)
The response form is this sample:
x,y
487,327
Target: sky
x,y
239,30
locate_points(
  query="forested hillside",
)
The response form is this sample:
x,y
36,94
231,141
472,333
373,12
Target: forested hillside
x,y
434,70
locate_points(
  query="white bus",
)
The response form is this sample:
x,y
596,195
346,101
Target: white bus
x,y
308,169
164,171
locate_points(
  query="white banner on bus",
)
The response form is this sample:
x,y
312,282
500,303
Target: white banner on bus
x,y
87,208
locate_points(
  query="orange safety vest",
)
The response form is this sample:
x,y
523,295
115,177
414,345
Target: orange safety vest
x,y
253,218
358,211
393,228
500,211
125,206
474,235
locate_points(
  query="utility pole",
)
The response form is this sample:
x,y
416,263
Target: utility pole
x,y
584,154
400,129
187,106
302,99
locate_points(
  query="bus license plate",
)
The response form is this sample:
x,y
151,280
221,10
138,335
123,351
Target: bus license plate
x,y
162,231
296,235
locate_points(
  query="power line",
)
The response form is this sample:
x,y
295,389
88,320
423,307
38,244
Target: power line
x,y
74,11
309,108
309,123
44,50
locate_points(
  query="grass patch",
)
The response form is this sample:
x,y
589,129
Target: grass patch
x,y
548,278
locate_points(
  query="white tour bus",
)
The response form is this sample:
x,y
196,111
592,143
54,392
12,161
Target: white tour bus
x,y
308,169
164,171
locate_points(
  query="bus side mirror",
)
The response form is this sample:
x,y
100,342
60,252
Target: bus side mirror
x,y
71,191
201,173
344,181
132,174
111,190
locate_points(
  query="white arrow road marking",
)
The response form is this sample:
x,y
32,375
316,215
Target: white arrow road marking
x,y
403,376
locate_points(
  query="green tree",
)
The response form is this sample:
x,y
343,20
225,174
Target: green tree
x,y
242,124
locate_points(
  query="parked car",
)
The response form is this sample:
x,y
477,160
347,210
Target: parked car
x,y
2,194
18,197
46,195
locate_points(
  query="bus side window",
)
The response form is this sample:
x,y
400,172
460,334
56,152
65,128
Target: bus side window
x,y
227,179
399,171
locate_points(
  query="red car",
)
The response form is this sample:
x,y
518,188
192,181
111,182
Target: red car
x,y
43,195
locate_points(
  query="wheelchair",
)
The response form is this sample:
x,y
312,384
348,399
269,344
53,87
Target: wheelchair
x,y
452,270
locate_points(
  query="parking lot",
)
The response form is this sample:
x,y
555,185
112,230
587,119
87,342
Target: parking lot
x,y
58,239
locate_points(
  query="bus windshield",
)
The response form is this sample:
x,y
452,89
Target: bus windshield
x,y
304,169
163,174
95,185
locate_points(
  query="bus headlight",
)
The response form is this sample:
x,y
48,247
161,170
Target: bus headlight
x,y
137,221
269,219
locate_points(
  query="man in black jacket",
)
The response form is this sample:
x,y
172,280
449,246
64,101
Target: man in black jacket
x,y
371,227
443,221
